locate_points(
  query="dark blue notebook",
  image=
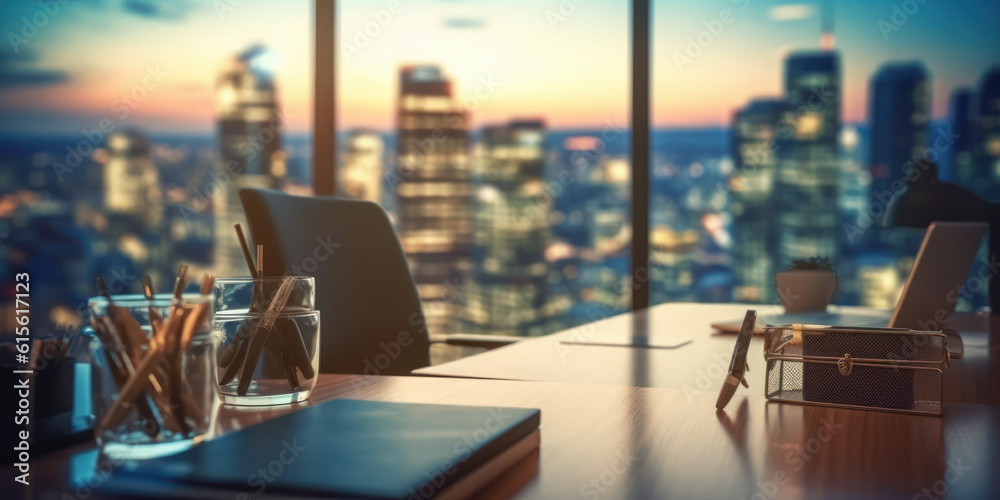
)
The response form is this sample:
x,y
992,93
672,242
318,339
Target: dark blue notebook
x,y
345,448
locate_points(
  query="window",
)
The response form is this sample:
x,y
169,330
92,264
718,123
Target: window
x,y
780,131
497,138
127,129
497,135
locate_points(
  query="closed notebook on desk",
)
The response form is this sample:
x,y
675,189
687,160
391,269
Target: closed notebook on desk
x,y
351,449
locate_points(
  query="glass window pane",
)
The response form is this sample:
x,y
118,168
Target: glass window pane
x,y
495,134
783,131
127,129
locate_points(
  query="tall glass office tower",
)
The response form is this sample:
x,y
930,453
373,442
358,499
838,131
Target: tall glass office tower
x,y
807,167
133,204
433,190
131,180
250,129
508,292
900,122
988,133
751,202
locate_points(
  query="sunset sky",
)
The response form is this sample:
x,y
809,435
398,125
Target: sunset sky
x,y
569,67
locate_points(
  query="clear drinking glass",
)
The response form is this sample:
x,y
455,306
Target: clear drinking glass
x,y
268,341
153,388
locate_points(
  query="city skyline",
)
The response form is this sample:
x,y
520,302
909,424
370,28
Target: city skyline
x,y
445,173
68,89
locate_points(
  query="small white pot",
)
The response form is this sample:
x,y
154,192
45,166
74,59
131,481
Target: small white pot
x,y
802,290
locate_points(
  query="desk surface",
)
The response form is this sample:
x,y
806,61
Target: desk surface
x,y
700,365
603,441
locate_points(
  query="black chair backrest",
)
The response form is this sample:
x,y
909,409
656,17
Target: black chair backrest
x,y
370,314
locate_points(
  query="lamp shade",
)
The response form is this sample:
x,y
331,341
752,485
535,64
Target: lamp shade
x,y
926,199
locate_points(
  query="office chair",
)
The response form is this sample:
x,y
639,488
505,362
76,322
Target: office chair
x,y
365,293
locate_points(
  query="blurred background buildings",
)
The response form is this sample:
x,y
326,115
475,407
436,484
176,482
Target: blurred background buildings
x,y
507,177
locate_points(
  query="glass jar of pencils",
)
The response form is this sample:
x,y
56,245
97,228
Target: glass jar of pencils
x,y
268,334
153,373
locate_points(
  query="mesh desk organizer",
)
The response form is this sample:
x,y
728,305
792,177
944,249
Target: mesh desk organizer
x,y
890,369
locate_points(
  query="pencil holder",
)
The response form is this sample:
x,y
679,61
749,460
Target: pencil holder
x,y
891,369
268,340
153,373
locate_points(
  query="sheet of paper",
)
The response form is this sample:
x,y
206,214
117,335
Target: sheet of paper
x,y
621,340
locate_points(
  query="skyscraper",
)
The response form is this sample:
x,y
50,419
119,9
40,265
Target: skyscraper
x,y
900,120
250,154
433,188
988,133
362,170
133,204
508,290
131,180
751,201
962,160
900,117
807,169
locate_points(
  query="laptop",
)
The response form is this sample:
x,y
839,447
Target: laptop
x,y
947,253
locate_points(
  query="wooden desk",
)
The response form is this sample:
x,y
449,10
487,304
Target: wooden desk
x,y
604,442
698,366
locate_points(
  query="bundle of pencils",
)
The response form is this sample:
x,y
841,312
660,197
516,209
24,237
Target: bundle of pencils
x,y
148,372
266,327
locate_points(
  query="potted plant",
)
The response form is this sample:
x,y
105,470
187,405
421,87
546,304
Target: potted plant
x,y
807,285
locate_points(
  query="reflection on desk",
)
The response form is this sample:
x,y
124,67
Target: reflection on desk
x,y
601,441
